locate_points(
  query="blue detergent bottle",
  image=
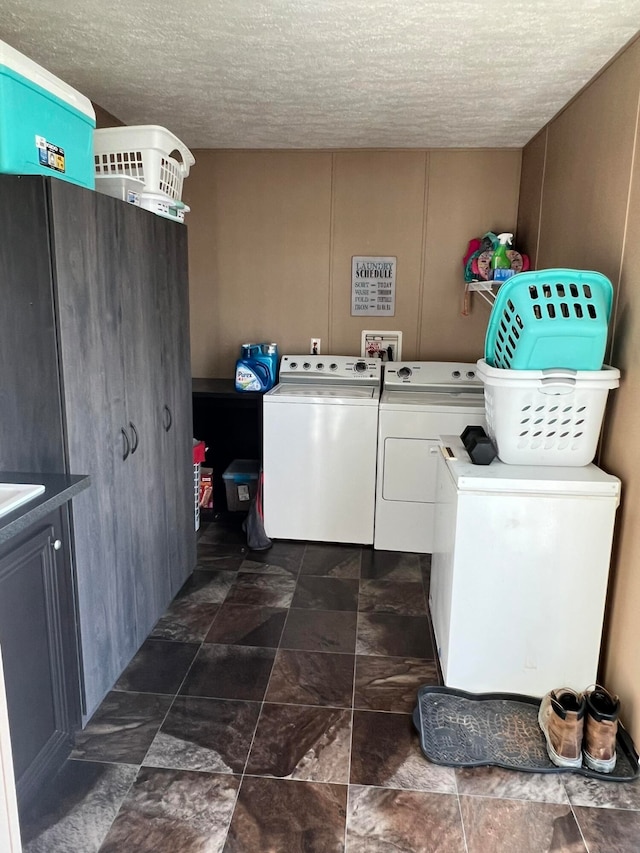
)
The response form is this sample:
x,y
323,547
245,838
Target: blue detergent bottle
x,y
256,368
268,355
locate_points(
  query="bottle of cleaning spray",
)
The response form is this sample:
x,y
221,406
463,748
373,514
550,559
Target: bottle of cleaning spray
x,y
500,263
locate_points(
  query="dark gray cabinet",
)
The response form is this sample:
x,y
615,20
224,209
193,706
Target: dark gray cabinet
x,y
118,392
37,637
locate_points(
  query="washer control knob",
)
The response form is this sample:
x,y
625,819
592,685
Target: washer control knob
x,y
456,374
471,374
319,366
293,365
360,366
333,366
405,372
306,365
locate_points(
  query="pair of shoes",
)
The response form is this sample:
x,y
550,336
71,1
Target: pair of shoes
x,y
577,724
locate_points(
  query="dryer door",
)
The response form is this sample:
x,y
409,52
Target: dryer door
x,y
410,469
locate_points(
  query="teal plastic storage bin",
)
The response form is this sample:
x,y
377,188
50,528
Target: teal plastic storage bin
x,y
550,318
46,127
241,482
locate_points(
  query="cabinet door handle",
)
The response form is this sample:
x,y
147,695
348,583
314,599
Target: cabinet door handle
x,y
136,440
56,545
127,445
169,419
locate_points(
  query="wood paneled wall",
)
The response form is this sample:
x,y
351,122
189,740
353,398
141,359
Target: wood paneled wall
x,y
272,233
580,207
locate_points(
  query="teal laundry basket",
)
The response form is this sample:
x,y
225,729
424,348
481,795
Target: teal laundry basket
x,y
550,318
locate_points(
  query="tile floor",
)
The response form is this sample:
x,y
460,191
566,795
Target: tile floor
x,y
269,712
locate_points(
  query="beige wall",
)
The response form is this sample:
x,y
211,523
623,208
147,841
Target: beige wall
x,y
580,207
272,233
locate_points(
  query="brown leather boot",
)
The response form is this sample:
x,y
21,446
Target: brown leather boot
x,y
561,718
601,728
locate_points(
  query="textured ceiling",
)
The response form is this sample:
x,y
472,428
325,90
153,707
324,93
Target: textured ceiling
x,y
327,73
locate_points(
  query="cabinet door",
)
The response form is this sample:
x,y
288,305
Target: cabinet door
x,y
29,381
176,410
37,637
141,254
87,270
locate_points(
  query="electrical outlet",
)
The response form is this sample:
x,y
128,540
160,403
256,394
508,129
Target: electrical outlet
x,y
314,347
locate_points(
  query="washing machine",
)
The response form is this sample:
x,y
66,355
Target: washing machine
x,y
420,401
320,432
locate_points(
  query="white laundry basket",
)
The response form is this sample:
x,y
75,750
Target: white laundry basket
x,y
146,152
546,417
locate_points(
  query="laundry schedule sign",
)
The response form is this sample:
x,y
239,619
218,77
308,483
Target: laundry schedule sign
x,y
373,286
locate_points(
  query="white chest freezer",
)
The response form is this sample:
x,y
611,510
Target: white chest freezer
x,y
519,573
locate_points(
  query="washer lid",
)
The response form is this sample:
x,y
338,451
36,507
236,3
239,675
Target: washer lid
x,y
499,478
335,394
434,401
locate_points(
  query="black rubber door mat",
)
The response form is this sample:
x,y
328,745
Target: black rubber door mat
x,y
462,729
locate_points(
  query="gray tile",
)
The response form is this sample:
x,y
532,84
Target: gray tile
x,y
386,753
210,587
326,593
609,830
159,667
229,672
336,561
390,565
248,626
381,821
585,791
282,815
504,826
219,555
185,621
300,742
311,678
174,810
391,684
320,630
394,635
75,811
262,590
122,728
401,597
226,558
212,735
511,785
281,558
221,533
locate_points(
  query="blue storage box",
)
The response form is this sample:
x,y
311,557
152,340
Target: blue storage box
x,y
46,127
241,483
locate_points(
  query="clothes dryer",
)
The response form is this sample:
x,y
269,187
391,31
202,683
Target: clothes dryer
x,y
420,401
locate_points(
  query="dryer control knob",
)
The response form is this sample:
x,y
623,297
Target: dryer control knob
x,y
319,366
456,374
293,365
360,366
405,372
333,366
306,365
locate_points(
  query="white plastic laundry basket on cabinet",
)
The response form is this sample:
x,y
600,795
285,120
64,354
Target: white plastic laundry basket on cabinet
x,y
546,417
143,152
